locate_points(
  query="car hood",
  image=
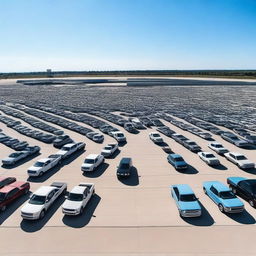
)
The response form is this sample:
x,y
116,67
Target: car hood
x,y
33,168
194,205
73,205
32,208
8,159
245,161
87,165
106,151
234,202
62,152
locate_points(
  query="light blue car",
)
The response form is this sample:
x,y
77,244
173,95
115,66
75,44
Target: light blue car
x,y
223,197
186,200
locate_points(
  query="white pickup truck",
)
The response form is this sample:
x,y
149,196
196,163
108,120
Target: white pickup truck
x,y
42,166
70,148
78,198
41,200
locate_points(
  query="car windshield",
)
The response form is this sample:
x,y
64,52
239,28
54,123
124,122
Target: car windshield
x,y
39,200
2,196
15,154
241,158
192,143
108,148
188,198
124,166
218,146
39,164
75,197
210,156
227,195
65,148
179,159
156,135
89,161
120,135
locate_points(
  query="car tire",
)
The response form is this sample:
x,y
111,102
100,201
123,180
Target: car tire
x,y
64,191
233,189
81,211
251,203
221,208
3,208
204,190
42,214
41,174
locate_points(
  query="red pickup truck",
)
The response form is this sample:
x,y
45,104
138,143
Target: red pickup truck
x,y
11,192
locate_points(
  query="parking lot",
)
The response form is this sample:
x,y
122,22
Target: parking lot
x,y
127,216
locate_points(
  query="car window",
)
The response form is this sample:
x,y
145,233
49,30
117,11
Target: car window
x,y
50,195
176,192
214,190
245,186
231,155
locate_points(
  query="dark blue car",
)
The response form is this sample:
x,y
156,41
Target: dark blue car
x,y
177,161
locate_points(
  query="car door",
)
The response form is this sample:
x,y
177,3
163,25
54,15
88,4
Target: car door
x,y
244,190
49,199
232,158
213,193
176,196
86,196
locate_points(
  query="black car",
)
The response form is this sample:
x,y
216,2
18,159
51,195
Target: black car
x,y
124,168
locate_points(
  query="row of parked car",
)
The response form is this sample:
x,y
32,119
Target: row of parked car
x,y
223,196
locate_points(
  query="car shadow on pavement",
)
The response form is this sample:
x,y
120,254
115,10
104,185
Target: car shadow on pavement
x,y
251,170
115,154
132,180
243,217
122,144
190,170
220,167
31,226
23,161
98,172
204,220
11,208
82,220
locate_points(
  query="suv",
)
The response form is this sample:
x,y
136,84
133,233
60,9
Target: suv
x,y
124,168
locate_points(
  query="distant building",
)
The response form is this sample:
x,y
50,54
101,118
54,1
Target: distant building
x,y
49,72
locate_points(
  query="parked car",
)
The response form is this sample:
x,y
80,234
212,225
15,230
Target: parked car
x,y
77,199
192,146
124,168
62,140
209,158
137,123
250,139
42,166
218,148
186,200
109,150
179,138
119,136
177,161
32,149
70,149
223,197
91,162
156,137
6,181
11,192
205,135
41,200
129,127
240,160
232,138
243,187
13,158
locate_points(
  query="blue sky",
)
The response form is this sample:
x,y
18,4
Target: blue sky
x,y
127,34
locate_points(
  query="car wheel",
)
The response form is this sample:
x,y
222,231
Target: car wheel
x,y
251,203
41,174
64,191
81,211
3,208
42,214
204,190
233,190
221,208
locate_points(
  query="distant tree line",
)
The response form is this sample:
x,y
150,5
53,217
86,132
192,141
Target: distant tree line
x,y
196,73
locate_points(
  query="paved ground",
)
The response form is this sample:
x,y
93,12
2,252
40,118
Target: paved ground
x,y
133,217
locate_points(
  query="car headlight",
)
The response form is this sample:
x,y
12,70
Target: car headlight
x,y
183,211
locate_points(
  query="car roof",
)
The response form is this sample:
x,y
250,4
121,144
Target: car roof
x,y
6,189
184,189
220,186
175,155
216,143
17,184
43,160
78,190
44,190
69,145
92,156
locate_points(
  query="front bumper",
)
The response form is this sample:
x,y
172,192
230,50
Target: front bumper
x,y
233,209
190,213
30,216
70,212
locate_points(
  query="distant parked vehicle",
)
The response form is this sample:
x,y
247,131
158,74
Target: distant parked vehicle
x,y
13,158
6,181
70,149
129,127
191,145
137,124
109,150
232,138
119,136
32,149
250,139
78,198
61,141
218,148
156,137
223,197
205,135
41,200
179,138
209,158
240,160
91,162
177,161
186,201
124,168
245,188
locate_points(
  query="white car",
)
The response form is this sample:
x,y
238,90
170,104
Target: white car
x,y
78,198
109,150
41,200
70,148
119,136
240,160
209,158
13,158
218,148
42,166
91,162
205,135
156,137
